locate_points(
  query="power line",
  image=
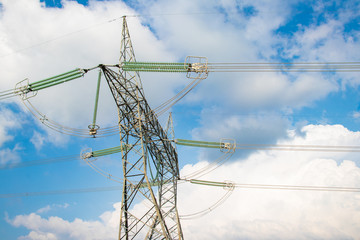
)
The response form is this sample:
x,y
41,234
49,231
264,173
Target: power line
x,y
208,209
225,185
207,13
172,14
227,145
230,186
59,37
203,68
192,143
40,162
94,26
273,187
60,192
285,67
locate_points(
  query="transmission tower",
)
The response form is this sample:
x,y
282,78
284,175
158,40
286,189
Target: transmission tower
x,y
149,157
145,149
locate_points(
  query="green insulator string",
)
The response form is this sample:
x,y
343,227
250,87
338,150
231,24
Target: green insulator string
x,y
97,99
152,63
107,151
118,149
55,77
209,183
93,127
155,67
192,143
53,81
75,76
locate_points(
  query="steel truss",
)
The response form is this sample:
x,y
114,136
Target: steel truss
x,y
146,150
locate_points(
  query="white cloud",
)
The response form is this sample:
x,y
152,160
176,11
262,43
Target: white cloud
x,y
252,213
328,41
58,228
8,121
264,91
356,114
33,235
277,214
38,140
98,41
233,37
226,37
48,208
10,156
216,124
44,209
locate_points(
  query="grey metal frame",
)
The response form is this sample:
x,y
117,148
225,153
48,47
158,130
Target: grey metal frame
x,y
146,148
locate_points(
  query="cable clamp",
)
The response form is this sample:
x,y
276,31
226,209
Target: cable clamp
x,y
23,90
197,67
227,145
229,186
86,154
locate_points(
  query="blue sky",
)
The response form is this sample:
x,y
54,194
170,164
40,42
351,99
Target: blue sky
x,y
39,39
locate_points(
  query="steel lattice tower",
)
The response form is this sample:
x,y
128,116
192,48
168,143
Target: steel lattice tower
x,y
146,151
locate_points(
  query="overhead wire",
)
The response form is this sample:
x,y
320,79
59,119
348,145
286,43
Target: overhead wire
x,y
210,167
59,37
39,162
204,170
271,147
242,67
180,95
208,209
164,107
230,186
234,67
103,132
100,24
90,27
285,67
52,81
7,94
61,192
299,149
95,26
171,102
107,131
170,14
225,185
275,187
102,172
230,148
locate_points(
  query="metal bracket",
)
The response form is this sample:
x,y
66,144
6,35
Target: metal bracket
x,y
227,145
22,89
197,67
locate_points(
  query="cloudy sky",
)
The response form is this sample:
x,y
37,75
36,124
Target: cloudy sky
x,y
43,38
